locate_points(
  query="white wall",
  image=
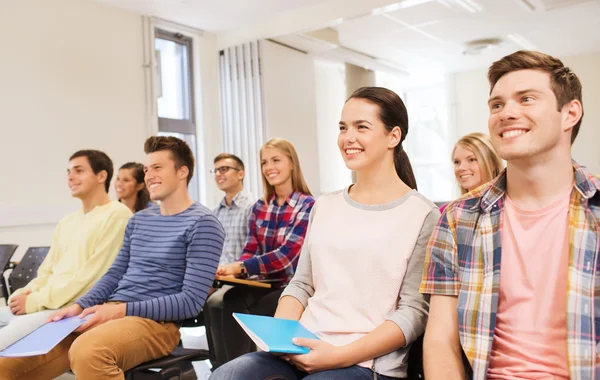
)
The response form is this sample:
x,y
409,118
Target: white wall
x,y
585,148
471,91
289,104
331,94
72,78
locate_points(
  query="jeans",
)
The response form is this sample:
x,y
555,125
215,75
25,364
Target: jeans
x,y
265,366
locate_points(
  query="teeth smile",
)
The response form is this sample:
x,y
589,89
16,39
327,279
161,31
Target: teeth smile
x,y
353,151
513,133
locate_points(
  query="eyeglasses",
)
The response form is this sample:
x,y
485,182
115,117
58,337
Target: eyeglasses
x,y
222,170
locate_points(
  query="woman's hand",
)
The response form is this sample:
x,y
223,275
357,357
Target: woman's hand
x,y
322,356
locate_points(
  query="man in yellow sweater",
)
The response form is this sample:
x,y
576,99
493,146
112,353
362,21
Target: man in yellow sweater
x,y
84,245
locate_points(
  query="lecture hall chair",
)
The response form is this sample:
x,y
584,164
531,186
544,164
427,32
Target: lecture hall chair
x,y
26,269
6,252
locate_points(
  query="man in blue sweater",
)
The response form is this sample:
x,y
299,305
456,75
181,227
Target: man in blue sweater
x,y
161,276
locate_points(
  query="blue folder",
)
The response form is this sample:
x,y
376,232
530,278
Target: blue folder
x,y
43,339
274,334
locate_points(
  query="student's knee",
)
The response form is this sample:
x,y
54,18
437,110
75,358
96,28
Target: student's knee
x,y
5,316
238,368
9,369
250,366
85,352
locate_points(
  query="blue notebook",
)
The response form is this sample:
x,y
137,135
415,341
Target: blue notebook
x,y
44,338
274,334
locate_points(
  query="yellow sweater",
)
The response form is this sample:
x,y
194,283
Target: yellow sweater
x,y
83,248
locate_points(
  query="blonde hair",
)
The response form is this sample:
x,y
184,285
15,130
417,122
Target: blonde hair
x,y
298,182
490,165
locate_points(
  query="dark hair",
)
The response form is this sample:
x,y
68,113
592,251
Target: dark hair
x,y
180,151
143,197
565,84
224,156
99,161
392,112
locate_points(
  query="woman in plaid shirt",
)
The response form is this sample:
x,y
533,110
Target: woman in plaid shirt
x,y
277,228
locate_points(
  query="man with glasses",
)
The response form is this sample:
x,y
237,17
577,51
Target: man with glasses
x,y
234,210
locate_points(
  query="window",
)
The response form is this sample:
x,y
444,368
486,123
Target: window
x,y
428,143
174,92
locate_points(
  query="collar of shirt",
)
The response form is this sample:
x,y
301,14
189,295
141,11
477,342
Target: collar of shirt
x,y
291,200
234,201
585,183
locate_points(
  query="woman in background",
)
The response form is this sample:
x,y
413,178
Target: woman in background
x,y
475,162
130,187
276,231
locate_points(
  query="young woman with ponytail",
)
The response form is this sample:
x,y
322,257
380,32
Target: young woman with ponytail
x,y
357,281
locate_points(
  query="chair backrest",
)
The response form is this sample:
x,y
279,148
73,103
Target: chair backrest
x,y
27,268
6,252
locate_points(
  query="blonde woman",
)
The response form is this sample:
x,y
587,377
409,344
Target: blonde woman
x,y
475,162
276,232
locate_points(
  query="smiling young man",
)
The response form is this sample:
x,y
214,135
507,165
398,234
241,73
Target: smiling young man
x,y
235,208
84,245
512,267
161,276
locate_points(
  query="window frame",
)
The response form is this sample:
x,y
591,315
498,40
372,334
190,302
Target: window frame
x,y
183,126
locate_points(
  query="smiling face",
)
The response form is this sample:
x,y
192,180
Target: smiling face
x,y
276,166
466,168
228,174
81,178
163,178
363,139
126,185
524,121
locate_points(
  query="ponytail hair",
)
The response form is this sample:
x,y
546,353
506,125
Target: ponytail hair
x,y
392,112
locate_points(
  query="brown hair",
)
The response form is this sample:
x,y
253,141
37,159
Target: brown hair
x,y
490,165
180,151
224,156
98,161
143,197
298,182
564,83
392,112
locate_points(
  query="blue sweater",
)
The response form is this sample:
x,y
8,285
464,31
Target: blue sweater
x,y
166,265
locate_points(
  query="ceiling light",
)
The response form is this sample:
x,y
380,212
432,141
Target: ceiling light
x,y
476,47
468,5
397,6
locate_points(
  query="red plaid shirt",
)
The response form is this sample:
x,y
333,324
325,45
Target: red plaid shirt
x,y
275,237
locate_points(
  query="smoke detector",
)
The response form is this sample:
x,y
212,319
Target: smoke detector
x,y
477,47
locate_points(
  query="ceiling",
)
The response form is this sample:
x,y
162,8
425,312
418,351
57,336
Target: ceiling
x,y
214,16
433,34
415,36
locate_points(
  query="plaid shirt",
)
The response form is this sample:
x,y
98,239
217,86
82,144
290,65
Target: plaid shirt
x,y
463,259
234,219
275,238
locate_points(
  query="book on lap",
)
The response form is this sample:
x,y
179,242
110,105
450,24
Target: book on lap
x,y
274,334
44,338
